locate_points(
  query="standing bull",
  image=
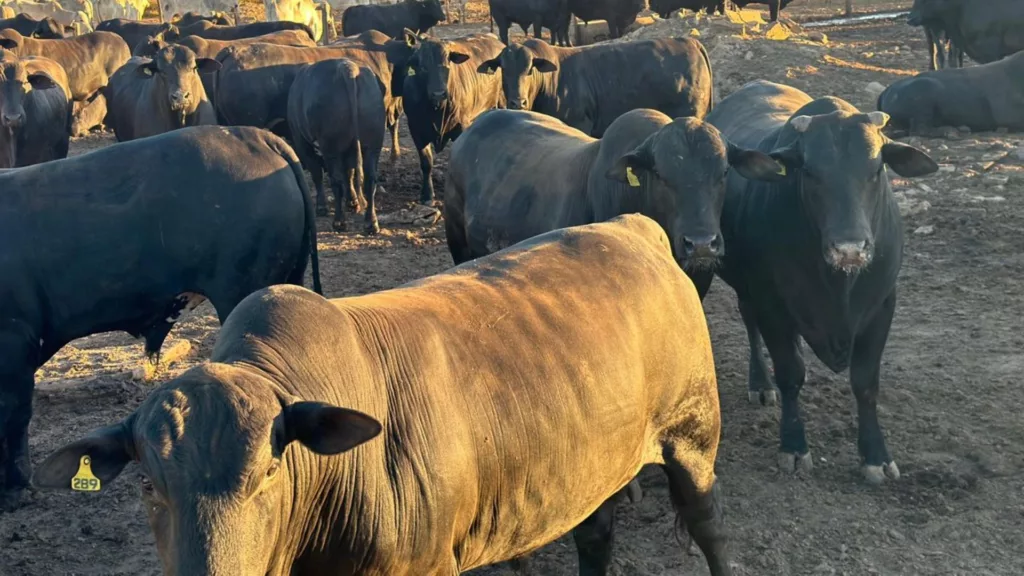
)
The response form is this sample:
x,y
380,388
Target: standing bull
x,y
463,420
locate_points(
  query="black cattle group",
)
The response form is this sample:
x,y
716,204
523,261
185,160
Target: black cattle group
x,y
592,195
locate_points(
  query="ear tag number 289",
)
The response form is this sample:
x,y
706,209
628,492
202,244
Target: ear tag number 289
x,y
85,480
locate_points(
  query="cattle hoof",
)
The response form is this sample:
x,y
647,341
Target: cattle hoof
x,y
769,397
634,492
876,475
372,228
321,211
790,463
340,225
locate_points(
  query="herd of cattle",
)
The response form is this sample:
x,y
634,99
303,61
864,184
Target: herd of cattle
x,y
487,410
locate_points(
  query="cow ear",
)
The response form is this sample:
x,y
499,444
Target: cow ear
x,y
146,69
789,157
101,455
755,165
323,428
9,43
625,168
545,66
207,65
457,57
908,161
490,66
41,82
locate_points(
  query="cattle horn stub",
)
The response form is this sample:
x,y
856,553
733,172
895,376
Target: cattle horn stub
x,y
879,119
801,123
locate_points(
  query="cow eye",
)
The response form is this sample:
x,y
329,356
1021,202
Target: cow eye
x,y
274,467
147,485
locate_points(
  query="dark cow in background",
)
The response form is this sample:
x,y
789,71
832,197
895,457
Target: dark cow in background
x,y
393,19
513,175
35,110
986,30
816,256
665,8
982,98
127,237
774,6
442,94
551,14
254,80
134,32
588,88
190,18
152,96
619,14
336,118
207,48
205,29
296,380
45,29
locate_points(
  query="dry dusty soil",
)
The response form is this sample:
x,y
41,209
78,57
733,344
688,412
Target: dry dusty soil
x,y
951,374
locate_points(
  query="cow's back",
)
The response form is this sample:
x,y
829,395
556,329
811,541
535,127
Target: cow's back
x,y
538,379
754,111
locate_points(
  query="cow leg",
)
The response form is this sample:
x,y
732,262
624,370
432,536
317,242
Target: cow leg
x,y
865,365
934,49
427,168
784,347
341,181
773,10
312,162
17,381
695,499
396,148
538,32
503,26
370,190
759,385
594,540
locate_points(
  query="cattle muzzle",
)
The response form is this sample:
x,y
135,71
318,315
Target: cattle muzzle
x,y
12,120
518,104
702,252
849,257
180,99
438,98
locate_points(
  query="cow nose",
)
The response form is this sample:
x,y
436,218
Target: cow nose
x,y
439,96
849,256
13,120
702,247
180,97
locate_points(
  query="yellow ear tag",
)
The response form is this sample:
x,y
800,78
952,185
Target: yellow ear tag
x,y
412,71
782,170
85,481
631,178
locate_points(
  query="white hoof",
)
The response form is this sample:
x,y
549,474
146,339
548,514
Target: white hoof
x,y
795,463
876,475
754,397
768,397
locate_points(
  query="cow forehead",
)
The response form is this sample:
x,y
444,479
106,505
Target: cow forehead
x,y
688,141
842,137
516,58
174,54
12,71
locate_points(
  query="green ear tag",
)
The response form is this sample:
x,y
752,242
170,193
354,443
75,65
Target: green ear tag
x,y
412,71
631,177
84,480
782,170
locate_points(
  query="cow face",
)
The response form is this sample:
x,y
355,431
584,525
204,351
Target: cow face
x,y
680,171
521,74
429,12
15,84
48,29
176,69
430,68
149,46
837,161
221,454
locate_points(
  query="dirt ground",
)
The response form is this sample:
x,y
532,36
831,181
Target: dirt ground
x,y
950,375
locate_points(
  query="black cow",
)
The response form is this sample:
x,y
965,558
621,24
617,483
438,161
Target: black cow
x,y
89,59
393,19
210,212
442,94
254,80
774,6
207,48
35,110
513,175
588,88
665,8
986,30
984,97
619,14
45,29
336,118
815,256
152,96
190,18
205,29
551,14
134,32
458,403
